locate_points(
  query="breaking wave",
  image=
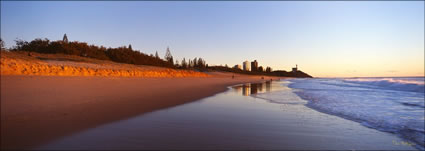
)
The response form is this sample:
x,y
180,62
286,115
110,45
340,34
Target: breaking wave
x,y
394,105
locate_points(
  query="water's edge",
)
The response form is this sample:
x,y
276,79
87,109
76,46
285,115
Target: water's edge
x,y
364,123
260,124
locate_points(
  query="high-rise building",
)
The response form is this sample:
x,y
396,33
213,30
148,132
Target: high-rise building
x,y
246,66
254,65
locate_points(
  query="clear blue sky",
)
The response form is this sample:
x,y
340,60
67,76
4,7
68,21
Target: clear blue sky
x,y
344,38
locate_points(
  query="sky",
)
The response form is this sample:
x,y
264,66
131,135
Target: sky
x,y
325,38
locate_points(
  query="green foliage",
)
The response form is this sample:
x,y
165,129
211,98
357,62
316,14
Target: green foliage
x,y
260,69
168,57
120,54
37,45
184,63
156,55
65,39
197,63
268,69
1,44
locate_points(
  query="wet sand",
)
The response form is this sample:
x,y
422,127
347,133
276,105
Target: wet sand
x,y
38,109
252,116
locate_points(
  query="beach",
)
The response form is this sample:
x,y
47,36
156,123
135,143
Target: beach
x,y
249,116
69,102
38,109
263,75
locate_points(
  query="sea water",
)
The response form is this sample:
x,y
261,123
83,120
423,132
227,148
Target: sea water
x,y
248,116
394,105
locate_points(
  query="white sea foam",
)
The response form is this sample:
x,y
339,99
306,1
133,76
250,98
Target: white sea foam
x,y
401,84
393,105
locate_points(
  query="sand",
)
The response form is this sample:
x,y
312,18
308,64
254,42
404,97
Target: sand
x,y
38,109
274,118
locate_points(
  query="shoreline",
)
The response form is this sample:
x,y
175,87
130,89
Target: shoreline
x,y
282,126
38,109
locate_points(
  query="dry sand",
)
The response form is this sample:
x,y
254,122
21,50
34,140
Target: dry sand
x,y
39,109
44,96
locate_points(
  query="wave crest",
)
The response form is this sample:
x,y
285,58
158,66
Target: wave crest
x,y
400,84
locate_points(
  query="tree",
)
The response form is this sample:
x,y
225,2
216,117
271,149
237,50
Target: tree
x,y
168,57
195,62
170,60
65,39
121,54
156,55
129,47
261,69
184,63
268,69
1,44
19,44
37,45
201,63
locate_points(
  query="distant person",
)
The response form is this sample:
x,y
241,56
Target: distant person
x,y
233,76
262,78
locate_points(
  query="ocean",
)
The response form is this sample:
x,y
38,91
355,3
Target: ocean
x,y
395,105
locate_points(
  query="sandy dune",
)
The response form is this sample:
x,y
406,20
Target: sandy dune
x,y
20,63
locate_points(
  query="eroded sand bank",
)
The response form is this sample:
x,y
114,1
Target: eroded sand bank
x,y
24,63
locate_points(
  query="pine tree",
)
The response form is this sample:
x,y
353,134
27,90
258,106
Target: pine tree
x,y
195,62
177,63
129,47
65,39
184,63
201,63
168,57
156,55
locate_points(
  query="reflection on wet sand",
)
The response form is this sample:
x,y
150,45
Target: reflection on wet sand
x,y
228,121
253,88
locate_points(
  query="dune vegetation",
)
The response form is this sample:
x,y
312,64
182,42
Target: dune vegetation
x,y
31,63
